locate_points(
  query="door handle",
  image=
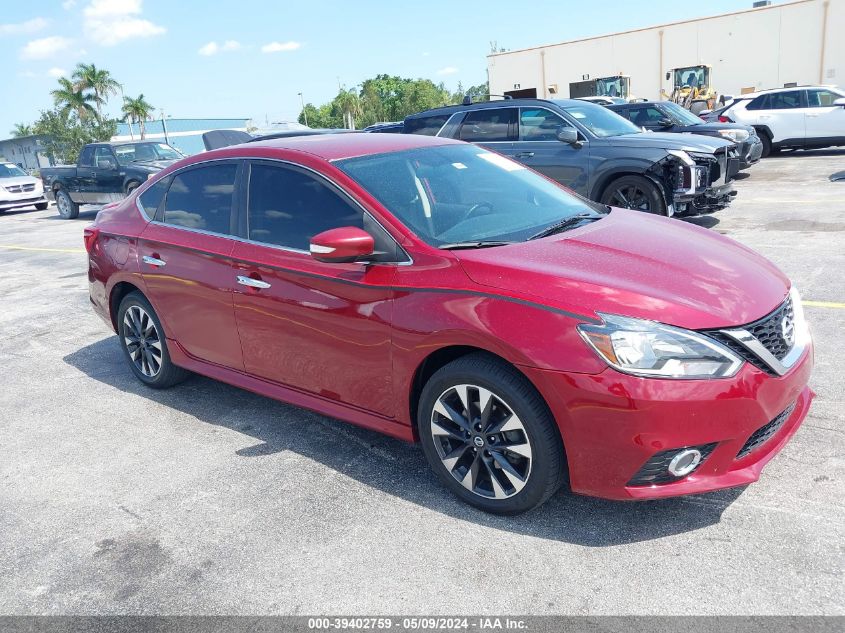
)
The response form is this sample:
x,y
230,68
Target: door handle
x,y
252,283
153,261
523,155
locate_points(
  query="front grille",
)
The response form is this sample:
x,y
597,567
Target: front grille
x,y
20,188
768,330
656,469
762,435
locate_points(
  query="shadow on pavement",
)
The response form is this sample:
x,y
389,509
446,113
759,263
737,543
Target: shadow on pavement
x,y
704,221
396,467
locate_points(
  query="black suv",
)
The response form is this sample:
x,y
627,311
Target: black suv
x,y
666,116
596,152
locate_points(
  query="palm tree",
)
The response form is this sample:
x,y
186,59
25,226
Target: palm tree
x,y
68,98
350,105
137,111
20,130
89,77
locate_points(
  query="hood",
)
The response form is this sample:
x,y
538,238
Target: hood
x,y
151,165
669,140
638,265
713,127
19,180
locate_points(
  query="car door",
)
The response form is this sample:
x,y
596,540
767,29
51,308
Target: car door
x,y
784,114
539,148
825,122
84,181
650,117
107,181
186,260
322,328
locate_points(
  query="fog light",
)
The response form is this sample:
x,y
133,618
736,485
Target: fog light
x,y
685,462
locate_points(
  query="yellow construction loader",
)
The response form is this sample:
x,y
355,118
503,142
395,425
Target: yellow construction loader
x,y
691,88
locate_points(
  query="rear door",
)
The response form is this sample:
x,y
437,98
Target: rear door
x,y
825,121
539,148
322,328
186,261
784,114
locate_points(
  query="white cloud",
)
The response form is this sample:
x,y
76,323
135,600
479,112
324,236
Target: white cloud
x,y
449,70
67,5
279,47
45,47
30,26
110,22
212,48
426,54
57,72
209,49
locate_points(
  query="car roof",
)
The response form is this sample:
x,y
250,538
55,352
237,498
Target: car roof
x,y
339,146
511,103
751,95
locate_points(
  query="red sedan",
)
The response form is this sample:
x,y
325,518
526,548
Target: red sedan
x,y
441,293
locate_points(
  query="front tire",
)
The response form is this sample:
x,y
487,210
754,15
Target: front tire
x,y
634,192
489,436
68,209
42,206
132,186
145,345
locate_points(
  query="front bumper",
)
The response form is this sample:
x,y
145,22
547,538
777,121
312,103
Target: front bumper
x,y
750,151
16,201
710,183
613,423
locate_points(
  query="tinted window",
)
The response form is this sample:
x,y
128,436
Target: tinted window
x,y
429,125
86,158
537,124
288,207
152,197
202,198
647,116
784,100
493,124
822,98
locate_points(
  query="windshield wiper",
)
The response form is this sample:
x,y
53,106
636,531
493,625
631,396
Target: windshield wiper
x,y
563,225
477,244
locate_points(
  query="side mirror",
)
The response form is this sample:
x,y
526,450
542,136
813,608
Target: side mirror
x,y
665,123
566,134
344,244
840,102
107,163
668,75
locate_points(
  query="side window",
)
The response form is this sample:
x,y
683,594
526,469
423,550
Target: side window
x,y
647,117
288,207
538,124
104,159
86,158
201,198
821,98
428,126
492,124
759,103
151,199
784,100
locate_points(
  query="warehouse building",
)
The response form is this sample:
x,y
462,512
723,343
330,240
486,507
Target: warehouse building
x,y
27,152
763,47
183,134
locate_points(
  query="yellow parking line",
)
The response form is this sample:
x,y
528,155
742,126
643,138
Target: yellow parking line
x,y
43,250
823,304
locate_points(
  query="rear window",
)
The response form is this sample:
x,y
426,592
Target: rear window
x,y
428,126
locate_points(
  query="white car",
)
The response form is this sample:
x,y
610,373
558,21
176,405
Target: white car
x,y
19,190
804,117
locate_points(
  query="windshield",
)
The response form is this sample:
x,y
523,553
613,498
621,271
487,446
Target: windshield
x,y
692,76
612,87
10,170
462,193
133,152
601,121
680,115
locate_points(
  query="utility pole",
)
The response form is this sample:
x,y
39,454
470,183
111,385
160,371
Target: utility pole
x,y
164,127
302,103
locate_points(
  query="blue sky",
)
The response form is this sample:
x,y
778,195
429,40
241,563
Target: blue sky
x,y
250,58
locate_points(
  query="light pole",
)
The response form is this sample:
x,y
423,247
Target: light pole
x,y
164,127
302,103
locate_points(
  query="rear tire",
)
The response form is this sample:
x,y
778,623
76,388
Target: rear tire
x,y
634,192
132,186
501,452
68,209
145,344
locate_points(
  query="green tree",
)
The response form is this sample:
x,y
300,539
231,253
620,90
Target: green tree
x,y
21,129
99,81
138,111
348,103
65,133
69,98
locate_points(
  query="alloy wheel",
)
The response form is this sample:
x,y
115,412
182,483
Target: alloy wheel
x,y
64,207
630,197
481,441
142,340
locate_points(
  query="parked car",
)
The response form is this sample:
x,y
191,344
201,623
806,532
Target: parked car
x,y
105,172
605,101
666,116
18,190
596,152
805,117
391,127
436,291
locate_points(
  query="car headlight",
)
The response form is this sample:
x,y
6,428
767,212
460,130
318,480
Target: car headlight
x,y
653,350
679,153
737,136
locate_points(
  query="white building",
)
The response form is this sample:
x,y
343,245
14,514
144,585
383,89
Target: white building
x,y
800,42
